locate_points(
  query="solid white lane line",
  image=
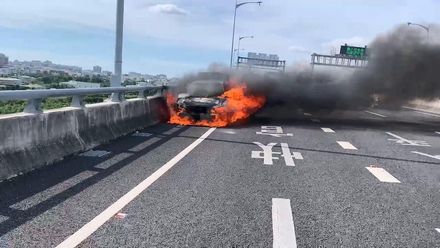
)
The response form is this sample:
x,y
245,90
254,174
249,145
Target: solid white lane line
x,y
282,223
421,111
88,229
347,145
382,175
438,230
376,114
327,130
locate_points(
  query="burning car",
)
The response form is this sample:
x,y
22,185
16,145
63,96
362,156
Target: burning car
x,y
201,98
213,101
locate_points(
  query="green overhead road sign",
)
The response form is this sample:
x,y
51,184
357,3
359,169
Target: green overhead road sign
x,y
352,51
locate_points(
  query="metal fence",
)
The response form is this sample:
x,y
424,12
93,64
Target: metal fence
x,y
35,97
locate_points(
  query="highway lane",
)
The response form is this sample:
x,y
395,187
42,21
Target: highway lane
x,y
222,195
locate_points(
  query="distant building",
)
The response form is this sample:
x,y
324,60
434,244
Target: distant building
x,y
81,85
4,60
97,69
10,81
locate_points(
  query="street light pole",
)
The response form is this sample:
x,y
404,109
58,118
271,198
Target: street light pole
x,y
420,25
237,5
239,41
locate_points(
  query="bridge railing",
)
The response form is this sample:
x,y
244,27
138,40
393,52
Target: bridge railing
x,y
34,98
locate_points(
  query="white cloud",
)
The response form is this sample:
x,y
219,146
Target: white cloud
x,y
170,9
297,49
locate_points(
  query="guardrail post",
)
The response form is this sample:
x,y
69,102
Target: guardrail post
x,y
77,102
33,106
141,94
117,97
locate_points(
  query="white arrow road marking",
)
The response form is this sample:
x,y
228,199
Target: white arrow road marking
x,y
88,229
407,142
327,130
347,145
428,155
282,224
382,175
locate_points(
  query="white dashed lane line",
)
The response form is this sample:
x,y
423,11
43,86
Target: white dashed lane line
x,y
347,145
383,175
89,228
282,223
376,114
427,155
315,120
327,130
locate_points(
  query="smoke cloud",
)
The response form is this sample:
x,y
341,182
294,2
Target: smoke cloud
x,y
403,65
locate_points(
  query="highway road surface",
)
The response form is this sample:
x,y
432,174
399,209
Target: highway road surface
x,y
342,179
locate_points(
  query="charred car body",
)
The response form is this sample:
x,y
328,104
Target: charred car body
x,y
202,96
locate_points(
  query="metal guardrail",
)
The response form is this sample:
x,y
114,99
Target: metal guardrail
x,y
35,97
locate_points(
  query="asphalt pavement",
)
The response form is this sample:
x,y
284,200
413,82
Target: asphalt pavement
x,y
367,178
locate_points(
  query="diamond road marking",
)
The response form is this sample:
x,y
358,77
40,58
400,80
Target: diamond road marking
x,y
383,175
93,153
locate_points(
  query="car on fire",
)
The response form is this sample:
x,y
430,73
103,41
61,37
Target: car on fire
x,y
202,96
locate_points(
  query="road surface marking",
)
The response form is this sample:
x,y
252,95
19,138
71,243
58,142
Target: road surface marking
x,y
282,223
315,120
421,111
267,154
288,156
95,153
2,219
307,114
438,230
376,114
428,155
407,142
57,189
327,130
274,131
88,229
139,134
347,145
437,132
382,175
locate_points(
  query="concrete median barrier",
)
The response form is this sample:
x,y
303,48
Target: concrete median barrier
x,y
30,141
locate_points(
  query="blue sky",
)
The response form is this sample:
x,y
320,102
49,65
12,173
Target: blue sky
x,y
179,36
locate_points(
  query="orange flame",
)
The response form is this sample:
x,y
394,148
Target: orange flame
x,y
239,106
